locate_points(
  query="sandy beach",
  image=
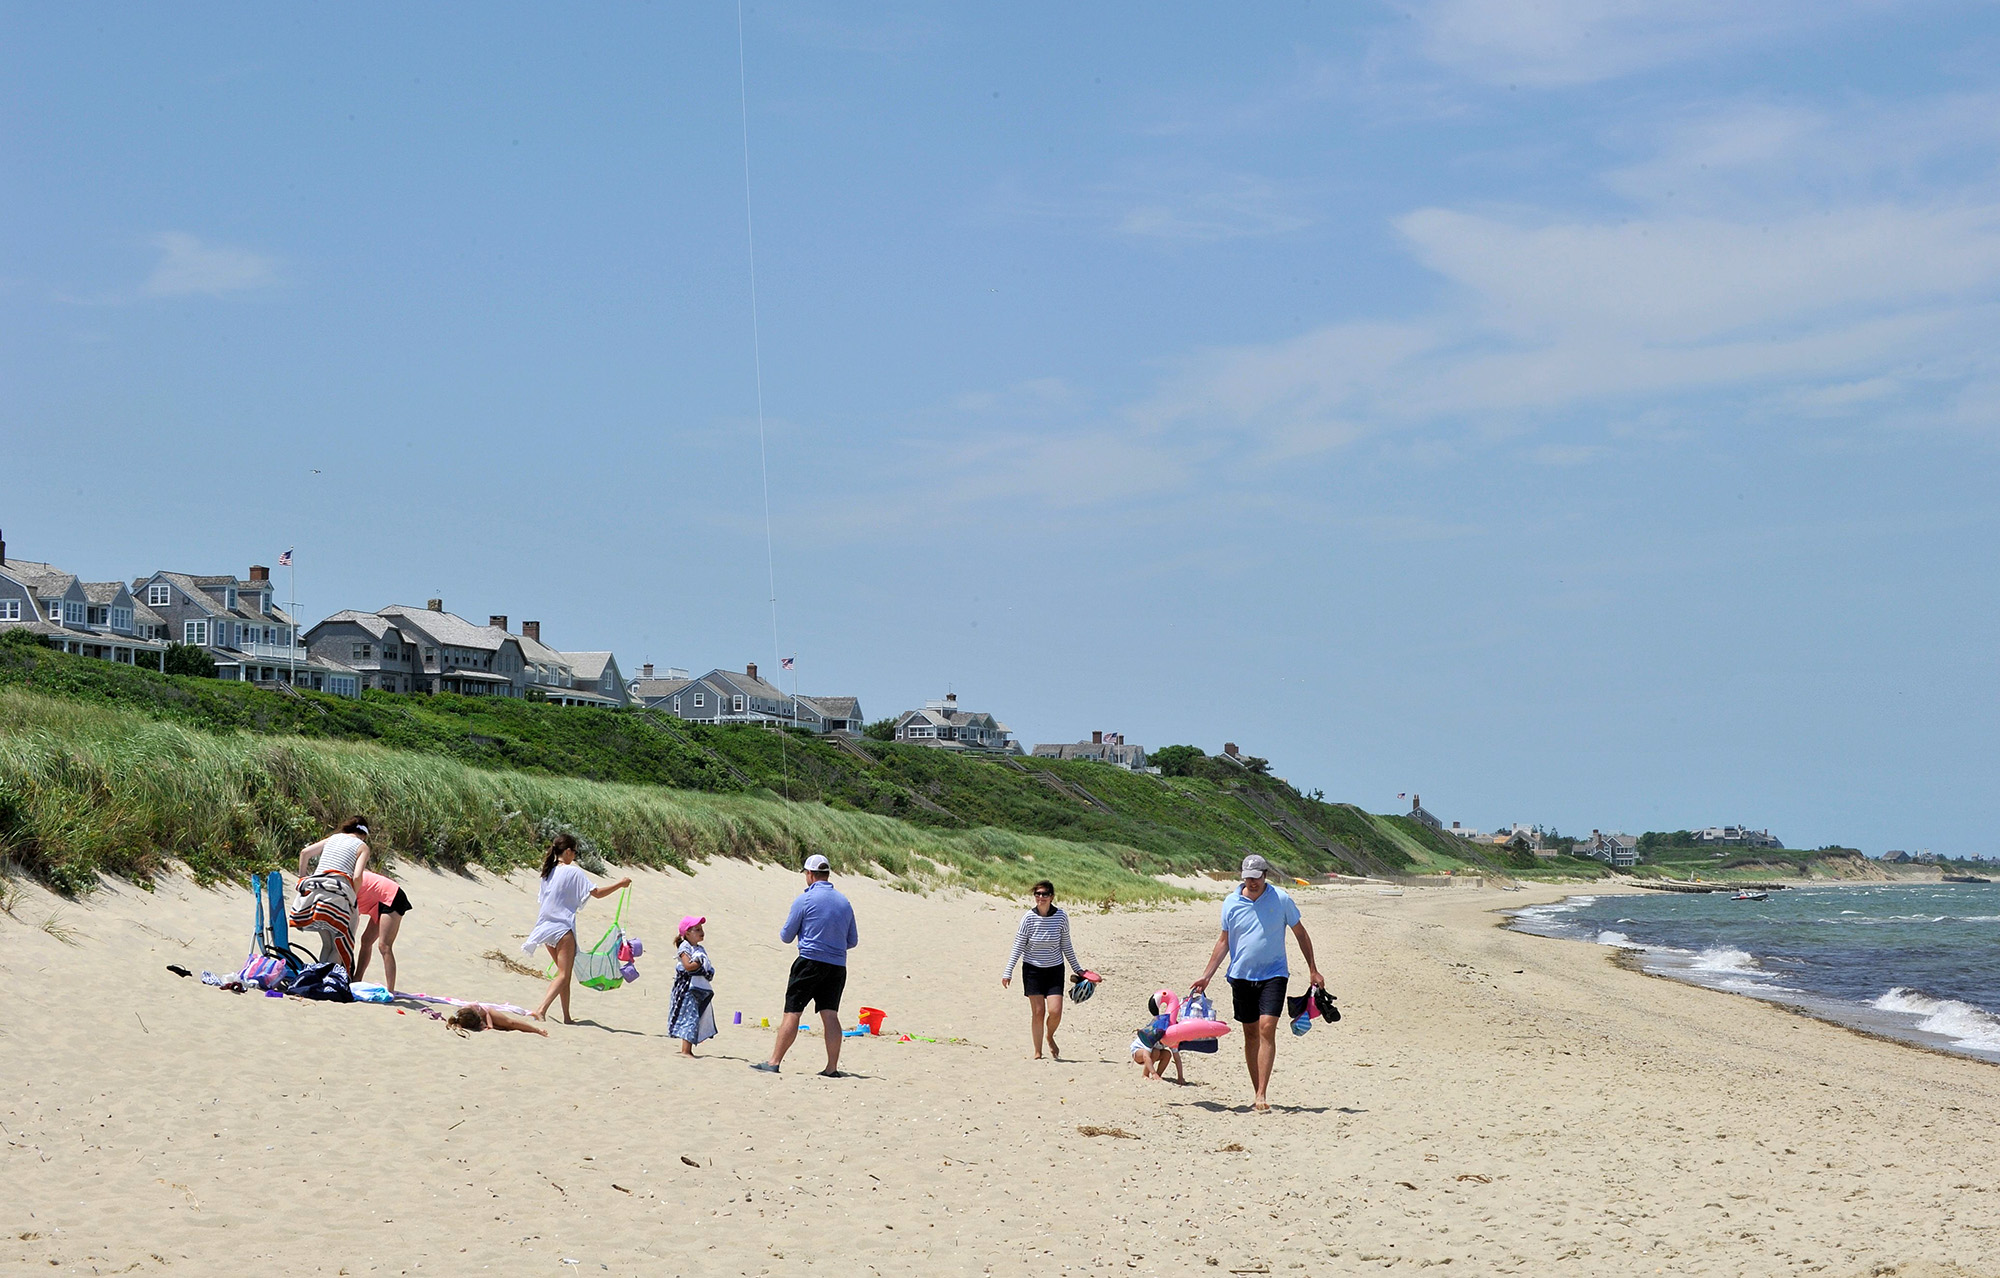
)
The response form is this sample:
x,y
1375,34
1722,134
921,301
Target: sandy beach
x,y
1494,1102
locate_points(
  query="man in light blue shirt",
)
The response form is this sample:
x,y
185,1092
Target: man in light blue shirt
x,y
822,922
1254,919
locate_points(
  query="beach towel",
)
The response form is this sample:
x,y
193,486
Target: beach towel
x,y
326,982
325,904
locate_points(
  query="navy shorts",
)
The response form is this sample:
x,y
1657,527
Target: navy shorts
x,y
1257,999
817,983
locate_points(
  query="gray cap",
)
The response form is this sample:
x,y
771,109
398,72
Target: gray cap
x,y
1255,867
820,863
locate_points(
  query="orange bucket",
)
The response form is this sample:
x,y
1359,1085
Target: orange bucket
x,y
872,1018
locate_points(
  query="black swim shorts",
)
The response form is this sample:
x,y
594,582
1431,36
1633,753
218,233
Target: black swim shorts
x,y
817,983
401,905
1257,999
1042,982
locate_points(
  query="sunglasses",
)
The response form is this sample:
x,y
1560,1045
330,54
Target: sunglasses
x,y
1044,894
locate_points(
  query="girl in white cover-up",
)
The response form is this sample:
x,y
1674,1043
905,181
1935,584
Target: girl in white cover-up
x,y
565,887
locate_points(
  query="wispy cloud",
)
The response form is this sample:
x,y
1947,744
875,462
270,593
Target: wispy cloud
x,y
1555,43
188,267
1177,206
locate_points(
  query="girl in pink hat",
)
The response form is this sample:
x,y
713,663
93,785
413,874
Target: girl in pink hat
x,y
691,1019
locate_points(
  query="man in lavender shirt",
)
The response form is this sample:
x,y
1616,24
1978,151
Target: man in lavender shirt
x,y
822,922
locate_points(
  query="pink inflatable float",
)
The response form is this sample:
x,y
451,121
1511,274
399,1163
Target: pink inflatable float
x,y
1180,1031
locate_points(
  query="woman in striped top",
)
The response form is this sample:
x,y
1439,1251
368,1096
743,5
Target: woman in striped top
x,y
1040,947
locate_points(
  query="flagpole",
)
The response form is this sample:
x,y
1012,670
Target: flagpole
x,y
292,609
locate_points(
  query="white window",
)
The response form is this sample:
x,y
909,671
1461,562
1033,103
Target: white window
x,y
10,610
159,594
73,613
195,632
697,701
739,703
229,596
677,703
121,619
604,683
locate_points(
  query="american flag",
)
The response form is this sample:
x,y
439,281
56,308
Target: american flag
x,y
1401,795
285,560
785,663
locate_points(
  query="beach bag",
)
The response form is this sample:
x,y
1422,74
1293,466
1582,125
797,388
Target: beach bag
x,y
600,967
326,982
264,972
1153,1031
1196,1007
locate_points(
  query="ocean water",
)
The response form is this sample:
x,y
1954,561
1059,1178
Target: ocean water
x,y
1916,961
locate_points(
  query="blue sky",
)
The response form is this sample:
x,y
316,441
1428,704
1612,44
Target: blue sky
x,y
1580,412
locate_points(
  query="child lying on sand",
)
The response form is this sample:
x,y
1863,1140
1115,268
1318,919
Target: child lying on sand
x,y
475,1018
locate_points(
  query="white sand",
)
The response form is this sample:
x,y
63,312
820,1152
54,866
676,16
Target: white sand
x,y
1498,1102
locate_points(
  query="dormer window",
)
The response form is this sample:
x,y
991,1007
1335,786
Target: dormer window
x,y
229,597
159,595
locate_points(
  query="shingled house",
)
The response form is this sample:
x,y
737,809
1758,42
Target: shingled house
x,y
1103,747
89,618
943,724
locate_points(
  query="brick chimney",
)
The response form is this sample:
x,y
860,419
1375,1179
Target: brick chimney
x,y
1229,748
434,605
532,629
259,572
1097,738
750,668
498,621
645,671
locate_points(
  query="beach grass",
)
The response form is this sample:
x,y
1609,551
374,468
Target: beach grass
x,y
91,789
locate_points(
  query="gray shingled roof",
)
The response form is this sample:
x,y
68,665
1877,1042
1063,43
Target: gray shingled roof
x,y
654,689
452,630
103,592
835,707
740,681
588,666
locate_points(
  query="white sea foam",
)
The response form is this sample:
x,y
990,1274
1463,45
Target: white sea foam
x,y
1850,911
1618,939
1724,959
1962,1023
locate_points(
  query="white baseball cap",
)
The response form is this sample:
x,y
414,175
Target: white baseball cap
x,y
1254,867
819,863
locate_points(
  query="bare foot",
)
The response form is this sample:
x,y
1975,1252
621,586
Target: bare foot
x,y
1053,1049
1261,1107
1038,1056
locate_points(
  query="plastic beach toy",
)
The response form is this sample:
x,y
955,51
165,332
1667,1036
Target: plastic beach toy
x,y
872,1018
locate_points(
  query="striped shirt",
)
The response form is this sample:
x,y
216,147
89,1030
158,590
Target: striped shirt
x,y
1043,941
339,854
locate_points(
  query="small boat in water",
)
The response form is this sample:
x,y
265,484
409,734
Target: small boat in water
x,y
1751,894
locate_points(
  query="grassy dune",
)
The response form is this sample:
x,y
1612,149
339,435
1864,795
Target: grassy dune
x,y
88,789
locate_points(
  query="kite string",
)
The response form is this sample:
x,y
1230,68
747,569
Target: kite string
x,y
757,363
